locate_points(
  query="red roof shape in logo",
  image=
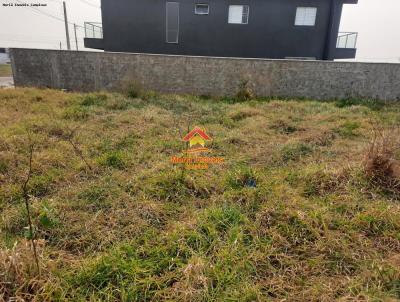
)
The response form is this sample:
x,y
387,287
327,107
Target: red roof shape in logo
x,y
195,131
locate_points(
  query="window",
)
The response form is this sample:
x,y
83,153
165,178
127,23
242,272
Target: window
x,y
305,16
238,14
172,22
201,9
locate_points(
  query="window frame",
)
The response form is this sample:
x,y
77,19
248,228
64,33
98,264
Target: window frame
x,y
247,15
166,23
201,4
303,23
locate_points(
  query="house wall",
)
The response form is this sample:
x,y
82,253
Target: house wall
x,y
139,26
91,71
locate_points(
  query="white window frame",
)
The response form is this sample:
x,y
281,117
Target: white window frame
x,y
307,12
243,14
201,4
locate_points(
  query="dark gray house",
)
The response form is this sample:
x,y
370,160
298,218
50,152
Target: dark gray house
x,y
278,29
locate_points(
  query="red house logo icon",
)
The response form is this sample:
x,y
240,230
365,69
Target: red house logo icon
x,y
197,140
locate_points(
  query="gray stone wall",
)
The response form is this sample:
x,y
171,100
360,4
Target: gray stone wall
x,y
91,71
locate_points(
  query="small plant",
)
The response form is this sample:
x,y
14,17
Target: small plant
x,y
134,90
69,137
245,92
47,216
25,195
380,163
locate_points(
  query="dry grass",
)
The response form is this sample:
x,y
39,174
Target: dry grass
x,y
18,277
294,214
381,164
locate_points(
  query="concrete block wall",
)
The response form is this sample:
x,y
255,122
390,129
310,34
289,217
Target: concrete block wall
x,y
92,71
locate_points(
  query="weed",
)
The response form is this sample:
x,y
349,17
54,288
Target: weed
x,y
174,186
347,129
47,216
96,196
40,185
322,183
296,151
3,166
18,271
380,164
372,104
284,127
76,113
296,230
134,90
243,114
93,99
245,92
118,103
240,177
113,159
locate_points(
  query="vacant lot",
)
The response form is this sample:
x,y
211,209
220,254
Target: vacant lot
x,y
292,215
5,70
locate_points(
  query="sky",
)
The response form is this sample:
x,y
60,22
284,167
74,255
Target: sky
x,y
376,21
